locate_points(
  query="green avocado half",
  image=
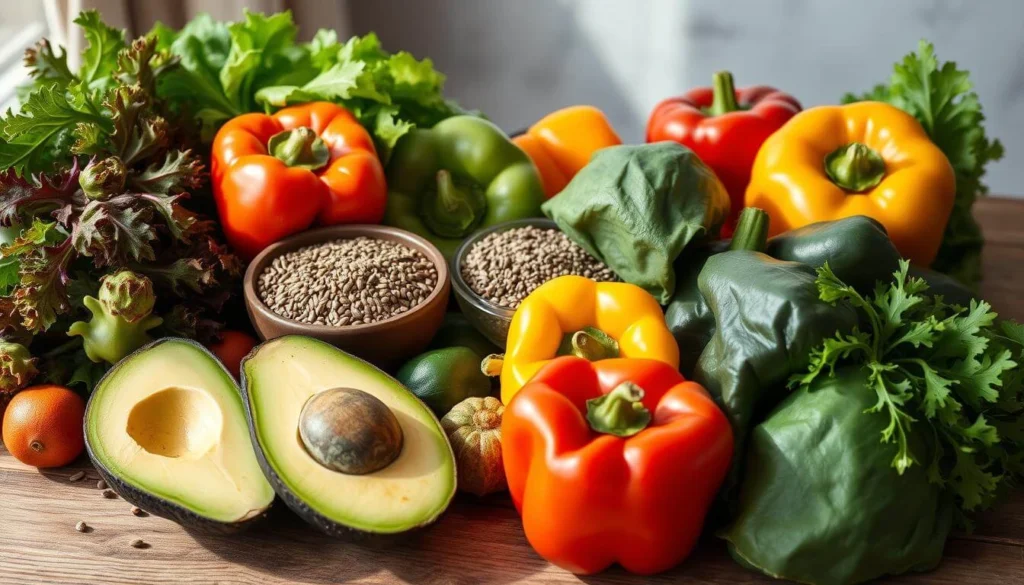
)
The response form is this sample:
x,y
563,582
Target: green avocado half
x,y
406,489
166,430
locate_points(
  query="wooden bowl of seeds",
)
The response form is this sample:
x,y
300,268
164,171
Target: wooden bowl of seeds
x,y
374,291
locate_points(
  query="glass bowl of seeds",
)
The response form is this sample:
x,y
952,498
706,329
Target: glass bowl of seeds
x,y
496,268
374,291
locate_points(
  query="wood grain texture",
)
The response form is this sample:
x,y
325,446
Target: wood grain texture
x,y
477,541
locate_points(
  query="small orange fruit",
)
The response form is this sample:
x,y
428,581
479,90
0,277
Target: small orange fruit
x,y
43,426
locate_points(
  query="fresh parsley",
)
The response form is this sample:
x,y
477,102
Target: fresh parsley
x,y
935,368
942,99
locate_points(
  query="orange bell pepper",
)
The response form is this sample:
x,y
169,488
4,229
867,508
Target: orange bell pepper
x,y
562,142
613,461
578,316
866,158
274,176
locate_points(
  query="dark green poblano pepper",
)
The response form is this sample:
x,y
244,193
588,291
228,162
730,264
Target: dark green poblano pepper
x,y
857,248
820,502
459,176
768,318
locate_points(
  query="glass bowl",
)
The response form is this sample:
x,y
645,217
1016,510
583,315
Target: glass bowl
x,y
489,319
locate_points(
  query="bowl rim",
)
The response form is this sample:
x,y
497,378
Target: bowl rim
x,y
463,289
321,235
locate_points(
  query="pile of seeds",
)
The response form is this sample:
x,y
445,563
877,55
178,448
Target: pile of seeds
x,y
505,267
347,282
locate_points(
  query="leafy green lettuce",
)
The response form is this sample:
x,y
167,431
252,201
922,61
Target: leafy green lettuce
x,y
940,96
256,64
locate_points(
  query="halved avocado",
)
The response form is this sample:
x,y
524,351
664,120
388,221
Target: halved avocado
x,y
280,377
166,430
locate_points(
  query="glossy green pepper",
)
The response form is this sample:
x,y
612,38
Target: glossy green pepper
x,y
459,176
442,378
856,248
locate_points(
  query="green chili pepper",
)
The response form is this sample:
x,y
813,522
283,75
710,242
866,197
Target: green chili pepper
x,y
462,175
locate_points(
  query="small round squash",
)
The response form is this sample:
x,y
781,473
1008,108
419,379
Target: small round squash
x,y
350,431
473,427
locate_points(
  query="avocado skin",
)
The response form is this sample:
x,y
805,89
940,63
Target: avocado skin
x,y
297,504
153,504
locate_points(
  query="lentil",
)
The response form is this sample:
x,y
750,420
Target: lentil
x,y
505,267
347,282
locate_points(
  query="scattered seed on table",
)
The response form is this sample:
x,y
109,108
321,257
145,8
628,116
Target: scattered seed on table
x,y
109,494
101,485
347,282
137,511
505,267
82,526
77,477
139,543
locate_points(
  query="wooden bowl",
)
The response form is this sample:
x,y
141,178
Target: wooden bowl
x,y
385,343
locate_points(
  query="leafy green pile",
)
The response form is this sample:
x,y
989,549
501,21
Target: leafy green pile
x,y
945,370
256,64
95,181
940,97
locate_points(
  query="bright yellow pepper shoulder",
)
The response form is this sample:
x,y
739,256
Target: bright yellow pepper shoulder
x,y
573,315
866,158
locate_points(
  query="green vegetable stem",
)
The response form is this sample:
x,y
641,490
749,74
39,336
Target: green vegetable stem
x,y
120,317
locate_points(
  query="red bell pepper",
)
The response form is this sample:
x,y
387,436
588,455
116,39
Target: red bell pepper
x,y
613,461
274,176
725,127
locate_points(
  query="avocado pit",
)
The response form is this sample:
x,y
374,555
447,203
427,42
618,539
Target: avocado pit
x,y
350,431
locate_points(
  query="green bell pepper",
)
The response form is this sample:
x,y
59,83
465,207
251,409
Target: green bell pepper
x,y
820,502
856,248
459,176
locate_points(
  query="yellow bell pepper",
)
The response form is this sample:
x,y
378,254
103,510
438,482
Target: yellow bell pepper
x,y
866,158
561,143
573,315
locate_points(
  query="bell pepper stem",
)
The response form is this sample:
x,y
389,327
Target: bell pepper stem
x,y
589,343
619,412
492,364
855,167
751,230
724,100
300,148
452,210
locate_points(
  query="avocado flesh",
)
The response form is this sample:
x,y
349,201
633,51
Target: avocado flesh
x,y
279,377
167,425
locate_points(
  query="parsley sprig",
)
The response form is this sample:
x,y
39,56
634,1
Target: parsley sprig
x,y
943,100
942,369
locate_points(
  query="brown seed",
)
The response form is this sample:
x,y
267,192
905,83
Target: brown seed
x,y
137,511
82,527
109,494
77,477
139,543
101,485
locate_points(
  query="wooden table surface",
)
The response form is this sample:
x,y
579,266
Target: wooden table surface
x,y
477,541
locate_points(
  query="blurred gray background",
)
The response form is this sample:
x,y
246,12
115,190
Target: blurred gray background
x,y
517,60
